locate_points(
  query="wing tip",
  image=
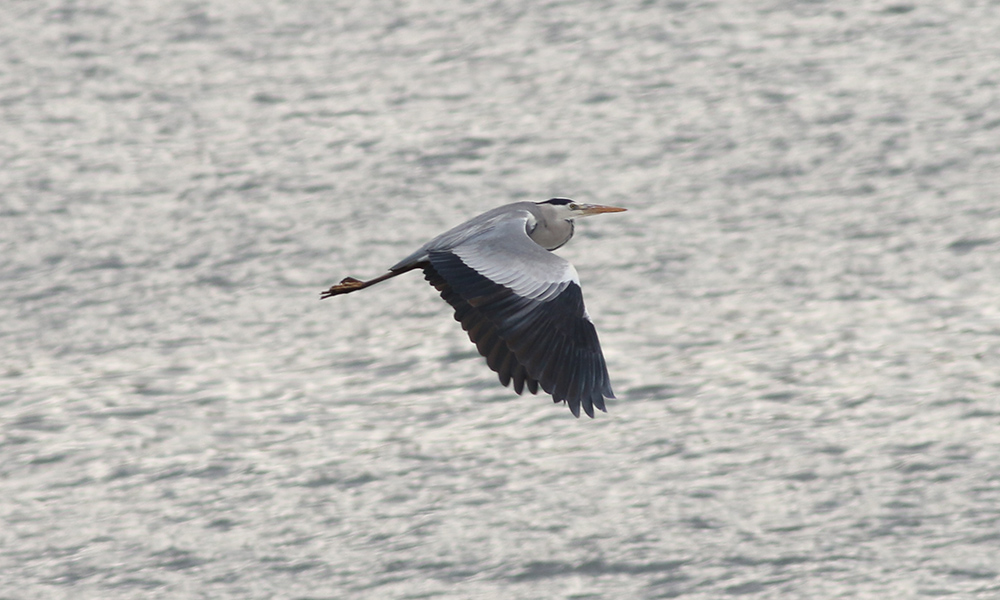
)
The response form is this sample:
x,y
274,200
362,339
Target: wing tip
x,y
588,404
574,407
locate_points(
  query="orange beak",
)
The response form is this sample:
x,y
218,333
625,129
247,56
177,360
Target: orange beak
x,y
596,209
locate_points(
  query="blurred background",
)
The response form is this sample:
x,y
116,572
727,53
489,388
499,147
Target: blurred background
x,y
799,311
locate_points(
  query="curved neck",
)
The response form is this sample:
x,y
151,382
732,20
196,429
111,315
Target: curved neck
x,y
551,233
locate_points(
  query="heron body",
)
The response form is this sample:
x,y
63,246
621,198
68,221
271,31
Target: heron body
x,y
521,305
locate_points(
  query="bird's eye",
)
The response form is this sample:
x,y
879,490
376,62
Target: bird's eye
x,y
573,207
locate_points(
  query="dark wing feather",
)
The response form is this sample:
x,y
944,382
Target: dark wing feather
x,y
548,342
481,331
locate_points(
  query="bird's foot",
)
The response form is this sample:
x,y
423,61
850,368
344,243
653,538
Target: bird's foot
x,y
347,284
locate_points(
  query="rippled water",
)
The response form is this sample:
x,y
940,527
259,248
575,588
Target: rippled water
x,y
800,310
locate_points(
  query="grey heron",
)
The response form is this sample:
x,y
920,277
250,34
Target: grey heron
x,y
520,303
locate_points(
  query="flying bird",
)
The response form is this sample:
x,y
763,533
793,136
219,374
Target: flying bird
x,y
520,304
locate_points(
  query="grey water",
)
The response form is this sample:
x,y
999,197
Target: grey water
x,y
800,311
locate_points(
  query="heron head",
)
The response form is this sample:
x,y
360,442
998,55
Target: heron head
x,y
569,209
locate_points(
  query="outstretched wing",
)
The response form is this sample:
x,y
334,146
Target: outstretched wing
x,y
523,308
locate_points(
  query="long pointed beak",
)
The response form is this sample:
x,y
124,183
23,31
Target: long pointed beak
x,y
596,209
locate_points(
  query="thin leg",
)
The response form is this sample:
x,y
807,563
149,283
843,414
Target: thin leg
x,y
350,284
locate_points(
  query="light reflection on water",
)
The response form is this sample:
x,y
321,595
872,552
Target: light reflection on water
x,y
798,310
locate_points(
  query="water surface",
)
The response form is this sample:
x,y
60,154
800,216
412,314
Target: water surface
x,y
799,310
